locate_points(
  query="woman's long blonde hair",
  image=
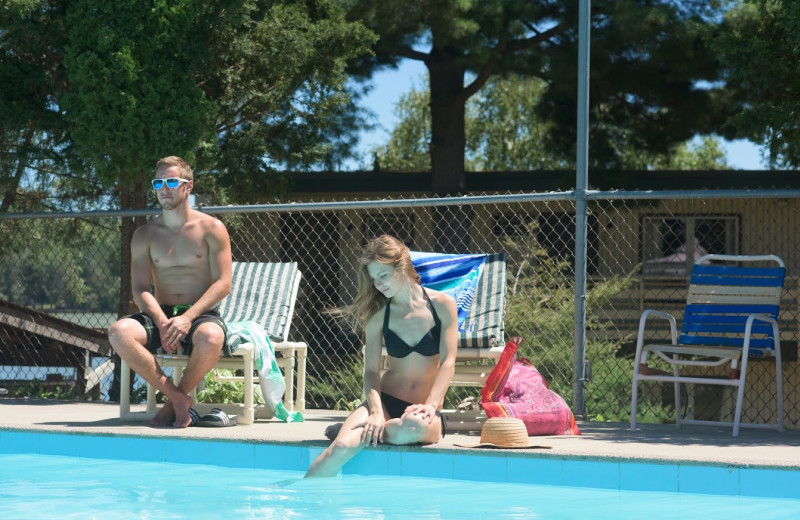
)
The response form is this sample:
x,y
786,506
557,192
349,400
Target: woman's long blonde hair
x,y
385,249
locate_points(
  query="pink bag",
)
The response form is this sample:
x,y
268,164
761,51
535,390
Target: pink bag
x,y
515,388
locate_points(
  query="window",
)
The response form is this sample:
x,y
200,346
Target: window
x,y
671,244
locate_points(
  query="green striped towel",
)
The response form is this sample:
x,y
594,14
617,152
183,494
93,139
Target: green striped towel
x,y
270,378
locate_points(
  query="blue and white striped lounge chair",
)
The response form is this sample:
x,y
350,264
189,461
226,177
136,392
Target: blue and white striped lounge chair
x,y
481,328
264,293
731,315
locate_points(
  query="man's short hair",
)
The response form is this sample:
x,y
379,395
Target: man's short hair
x,y
173,160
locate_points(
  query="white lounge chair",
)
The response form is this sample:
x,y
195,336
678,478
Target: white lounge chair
x,y
260,292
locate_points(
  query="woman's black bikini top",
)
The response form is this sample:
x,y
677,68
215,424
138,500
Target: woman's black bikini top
x,y
427,346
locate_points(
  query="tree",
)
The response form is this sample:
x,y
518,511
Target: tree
x,y
759,43
647,56
37,160
505,132
235,87
93,93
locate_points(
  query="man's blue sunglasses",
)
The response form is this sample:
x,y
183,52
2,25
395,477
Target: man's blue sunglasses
x,y
172,183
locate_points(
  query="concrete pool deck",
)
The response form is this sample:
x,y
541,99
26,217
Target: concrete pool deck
x,y
615,441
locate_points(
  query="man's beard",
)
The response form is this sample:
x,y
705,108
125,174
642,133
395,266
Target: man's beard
x,y
169,203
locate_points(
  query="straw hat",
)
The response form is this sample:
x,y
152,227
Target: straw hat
x,y
503,432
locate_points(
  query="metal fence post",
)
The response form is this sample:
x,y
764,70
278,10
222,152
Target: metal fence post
x,y
581,183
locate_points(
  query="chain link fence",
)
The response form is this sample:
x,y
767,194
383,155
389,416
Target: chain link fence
x,y
59,287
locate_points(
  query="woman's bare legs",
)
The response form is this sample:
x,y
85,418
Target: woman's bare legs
x,y
343,448
412,429
409,430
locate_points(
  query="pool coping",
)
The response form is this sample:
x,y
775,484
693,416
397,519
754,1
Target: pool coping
x,y
504,466
606,455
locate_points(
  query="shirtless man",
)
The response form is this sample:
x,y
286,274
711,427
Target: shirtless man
x,y
186,255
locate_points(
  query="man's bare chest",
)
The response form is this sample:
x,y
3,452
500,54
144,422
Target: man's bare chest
x,y
184,249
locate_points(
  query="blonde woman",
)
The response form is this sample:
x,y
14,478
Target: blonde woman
x,y
418,326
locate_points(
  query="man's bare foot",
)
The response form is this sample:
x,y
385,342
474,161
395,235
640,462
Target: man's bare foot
x,y
164,416
181,407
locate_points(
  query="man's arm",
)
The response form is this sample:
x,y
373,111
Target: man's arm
x,y
141,276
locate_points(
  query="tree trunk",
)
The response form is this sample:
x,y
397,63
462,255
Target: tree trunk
x,y
448,142
448,139
132,196
10,195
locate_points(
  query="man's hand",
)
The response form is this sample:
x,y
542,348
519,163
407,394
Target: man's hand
x,y
172,332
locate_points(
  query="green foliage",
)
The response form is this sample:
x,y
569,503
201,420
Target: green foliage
x,y
64,264
139,395
36,163
654,81
408,146
133,97
758,44
213,391
706,154
504,132
96,90
92,93
540,308
608,394
35,390
647,58
340,388
224,391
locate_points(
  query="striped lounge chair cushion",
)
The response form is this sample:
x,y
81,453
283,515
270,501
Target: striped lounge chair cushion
x,y
264,293
484,324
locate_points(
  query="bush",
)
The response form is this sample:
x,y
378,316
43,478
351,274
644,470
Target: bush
x,y
327,390
541,309
224,391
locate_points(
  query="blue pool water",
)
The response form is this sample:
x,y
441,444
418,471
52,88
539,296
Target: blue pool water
x,y
34,486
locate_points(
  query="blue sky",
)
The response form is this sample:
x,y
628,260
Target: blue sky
x,y
390,84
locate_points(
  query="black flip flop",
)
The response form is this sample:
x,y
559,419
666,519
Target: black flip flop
x,y
192,414
333,430
216,418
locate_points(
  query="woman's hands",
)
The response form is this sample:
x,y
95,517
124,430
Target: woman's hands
x,y
425,411
373,429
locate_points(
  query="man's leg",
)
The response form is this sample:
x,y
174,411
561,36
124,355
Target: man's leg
x,y
207,343
128,338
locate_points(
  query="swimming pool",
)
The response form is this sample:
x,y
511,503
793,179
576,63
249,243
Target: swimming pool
x,y
48,475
